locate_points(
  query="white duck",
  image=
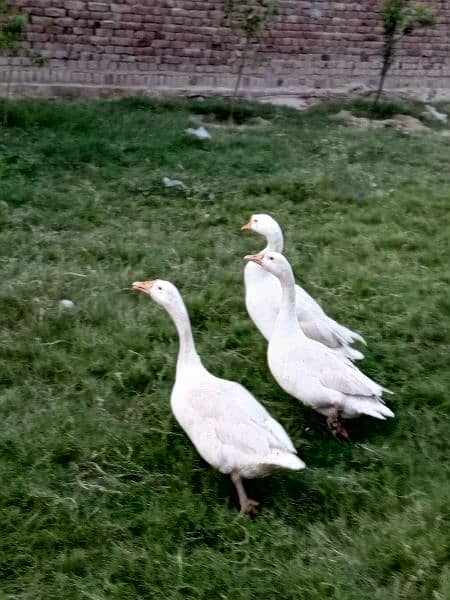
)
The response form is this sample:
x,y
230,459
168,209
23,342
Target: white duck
x,y
263,298
310,371
230,429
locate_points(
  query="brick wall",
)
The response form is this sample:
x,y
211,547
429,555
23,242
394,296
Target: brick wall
x,y
148,45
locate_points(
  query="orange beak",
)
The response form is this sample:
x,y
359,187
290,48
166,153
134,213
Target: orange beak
x,y
247,226
256,258
143,286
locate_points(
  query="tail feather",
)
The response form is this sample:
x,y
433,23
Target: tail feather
x,y
352,353
378,410
347,335
286,460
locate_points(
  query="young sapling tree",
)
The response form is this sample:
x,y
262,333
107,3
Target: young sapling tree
x,y
399,18
249,21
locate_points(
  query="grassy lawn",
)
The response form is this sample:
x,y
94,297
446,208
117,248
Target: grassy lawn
x,y
102,496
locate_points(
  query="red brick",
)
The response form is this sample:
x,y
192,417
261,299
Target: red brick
x,y
65,22
121,8
98,6
82,31
54,29
37,37
74,5
55,12
96,39
41,20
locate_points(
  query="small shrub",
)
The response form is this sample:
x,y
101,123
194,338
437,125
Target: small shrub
x,y
385,109
242,112
12,32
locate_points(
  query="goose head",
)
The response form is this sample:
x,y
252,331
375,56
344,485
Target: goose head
x,y
273,262
266,226
162,292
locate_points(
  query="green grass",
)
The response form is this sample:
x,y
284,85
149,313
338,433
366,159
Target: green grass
x,y
102,495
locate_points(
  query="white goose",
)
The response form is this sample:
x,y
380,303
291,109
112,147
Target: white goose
x,y
230,429
263,297
310,371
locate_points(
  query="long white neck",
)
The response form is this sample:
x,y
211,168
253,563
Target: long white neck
x,y
288,312
187,353
254,273
275,241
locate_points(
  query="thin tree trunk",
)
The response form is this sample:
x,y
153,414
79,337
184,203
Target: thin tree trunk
x,y
240,72
387,62
7,97
384,72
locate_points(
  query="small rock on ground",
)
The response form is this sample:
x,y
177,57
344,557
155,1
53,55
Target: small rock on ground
x,y
404,123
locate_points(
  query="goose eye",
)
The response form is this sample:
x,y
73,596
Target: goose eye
x,y
159,287
270,257
255,220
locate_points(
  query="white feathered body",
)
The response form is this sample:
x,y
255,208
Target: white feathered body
x,y
263,300
313,374
229,428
